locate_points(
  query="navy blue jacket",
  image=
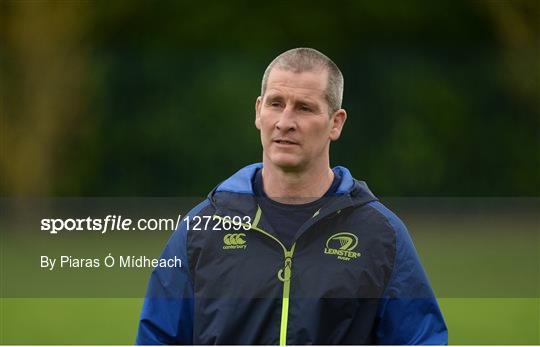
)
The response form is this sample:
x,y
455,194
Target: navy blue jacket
x,y
352,276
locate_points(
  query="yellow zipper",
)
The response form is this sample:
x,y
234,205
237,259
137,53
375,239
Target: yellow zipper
x,y
284,274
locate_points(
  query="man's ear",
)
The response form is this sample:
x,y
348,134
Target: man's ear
x,y
338,120
258,112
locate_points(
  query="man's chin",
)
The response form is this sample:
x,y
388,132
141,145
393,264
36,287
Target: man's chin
x,y
287,164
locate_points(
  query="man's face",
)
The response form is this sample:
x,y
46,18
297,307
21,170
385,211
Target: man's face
x,y
294,121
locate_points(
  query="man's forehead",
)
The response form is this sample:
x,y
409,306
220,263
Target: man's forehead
x,y
307,81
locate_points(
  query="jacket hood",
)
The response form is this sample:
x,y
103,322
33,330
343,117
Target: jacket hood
x,y
241,183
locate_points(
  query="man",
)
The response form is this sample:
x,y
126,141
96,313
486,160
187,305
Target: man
x,y
310,257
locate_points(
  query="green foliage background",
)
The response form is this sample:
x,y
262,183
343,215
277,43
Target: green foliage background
x,y
157,98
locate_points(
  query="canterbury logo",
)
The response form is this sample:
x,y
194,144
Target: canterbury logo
x,y
342,245
234,241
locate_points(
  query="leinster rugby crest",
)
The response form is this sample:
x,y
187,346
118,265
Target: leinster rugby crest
x,y
342,246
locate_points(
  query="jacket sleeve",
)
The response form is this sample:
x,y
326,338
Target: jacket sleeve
x,y
408,312
167,312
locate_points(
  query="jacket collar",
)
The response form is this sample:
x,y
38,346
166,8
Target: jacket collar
x,y
236,192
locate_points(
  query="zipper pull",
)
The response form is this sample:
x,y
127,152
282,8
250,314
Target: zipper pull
x,y
284,274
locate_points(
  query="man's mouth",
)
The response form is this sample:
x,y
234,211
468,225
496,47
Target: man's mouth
x,y
285,142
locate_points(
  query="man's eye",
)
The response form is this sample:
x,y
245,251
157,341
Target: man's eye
x,y
305,109
275,104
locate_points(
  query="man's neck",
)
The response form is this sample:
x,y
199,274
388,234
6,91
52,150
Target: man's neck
x,y
296,187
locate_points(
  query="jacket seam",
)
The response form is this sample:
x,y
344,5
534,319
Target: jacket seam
x,y
389,224
205,204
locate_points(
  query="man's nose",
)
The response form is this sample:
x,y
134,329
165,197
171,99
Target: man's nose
x,y
287,119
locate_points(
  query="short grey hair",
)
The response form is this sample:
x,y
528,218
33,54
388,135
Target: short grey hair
x,y
308,59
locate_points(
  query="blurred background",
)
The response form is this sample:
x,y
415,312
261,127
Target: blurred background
x,y
156,99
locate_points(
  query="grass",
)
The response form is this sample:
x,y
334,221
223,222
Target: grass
x,y
114,321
